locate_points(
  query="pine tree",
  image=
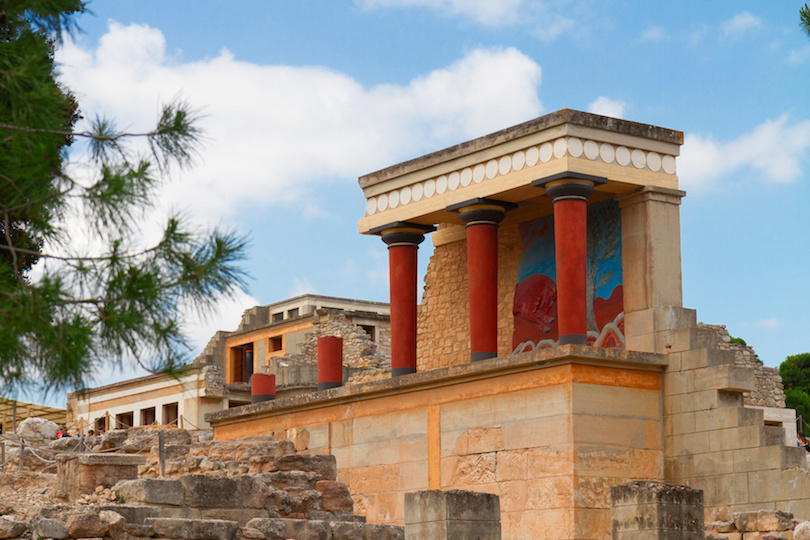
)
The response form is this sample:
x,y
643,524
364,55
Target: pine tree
x,y
66,310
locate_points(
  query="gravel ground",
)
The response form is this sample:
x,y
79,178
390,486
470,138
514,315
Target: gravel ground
x,y
22,491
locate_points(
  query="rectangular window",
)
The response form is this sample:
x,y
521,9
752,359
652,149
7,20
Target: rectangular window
x,y
101,425
170,414
278,317
276,344
124,420
370,330
148,416
292,313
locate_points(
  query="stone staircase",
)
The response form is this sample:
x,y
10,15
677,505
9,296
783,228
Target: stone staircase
x,y
713,442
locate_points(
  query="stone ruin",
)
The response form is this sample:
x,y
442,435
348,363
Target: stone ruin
x,y
255,488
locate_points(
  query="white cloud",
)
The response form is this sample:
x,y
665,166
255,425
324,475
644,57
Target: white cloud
x,y
486,12
301,285
774,149
653,34
740,24
607,107
276,132
771,322
799,56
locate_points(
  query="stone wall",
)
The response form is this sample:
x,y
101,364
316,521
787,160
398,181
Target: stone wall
x,y
443,327
769,391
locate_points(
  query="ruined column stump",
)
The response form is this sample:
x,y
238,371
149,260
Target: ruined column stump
x,y
78,474
452,515
656,510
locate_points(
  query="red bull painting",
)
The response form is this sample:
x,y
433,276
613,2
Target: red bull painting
x,y
535,303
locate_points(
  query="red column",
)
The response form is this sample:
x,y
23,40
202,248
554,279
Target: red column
x,y
403,240
262,387
330,362
569,193
482,274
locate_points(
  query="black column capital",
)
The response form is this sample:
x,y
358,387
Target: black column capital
x,y
480,211
569,185
403,233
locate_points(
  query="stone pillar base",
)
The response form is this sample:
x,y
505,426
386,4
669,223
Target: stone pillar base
x,y
656,510
452,515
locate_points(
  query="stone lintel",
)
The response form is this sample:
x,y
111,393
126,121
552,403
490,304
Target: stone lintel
x,y
503,166
572,355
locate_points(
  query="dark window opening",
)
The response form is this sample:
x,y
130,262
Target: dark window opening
x,y
101,424
242,363
292,313
370,330
276,344
170,414
124,420
278,317
148,416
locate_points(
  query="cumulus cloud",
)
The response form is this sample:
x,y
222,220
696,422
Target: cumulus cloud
x,y
740,24
607,107
275,132
774,149
799,56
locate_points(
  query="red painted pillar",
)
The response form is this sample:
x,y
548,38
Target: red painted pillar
x,y
482,217
262,387
403,240
330,362
569,193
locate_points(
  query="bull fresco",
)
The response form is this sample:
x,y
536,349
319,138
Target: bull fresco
x,y
535,303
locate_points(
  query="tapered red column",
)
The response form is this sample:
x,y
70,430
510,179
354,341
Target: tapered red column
x,y
262,387
481,217
569,193
330,362
403,240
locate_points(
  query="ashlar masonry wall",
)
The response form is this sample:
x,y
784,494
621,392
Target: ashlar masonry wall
x,y
548,431
443,326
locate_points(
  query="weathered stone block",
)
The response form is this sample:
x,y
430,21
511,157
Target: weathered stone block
x,y
336,496
206,491
151,491
140,530
323,465
653,506
86,526
11,529
194,529
452,514
134,514
49,528
725,377
117,523
77,474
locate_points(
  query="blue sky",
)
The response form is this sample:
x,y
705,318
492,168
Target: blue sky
x,y
301,98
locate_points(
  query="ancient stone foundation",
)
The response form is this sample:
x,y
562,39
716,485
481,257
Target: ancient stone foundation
x,y
452,515
648,510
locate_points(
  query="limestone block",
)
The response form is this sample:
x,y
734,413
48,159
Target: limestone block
x,y
725,377
553,492
336,496
781,457
727,489
248,533
653,506
134,514
290,479
550,461
727,417
49,528
205,491
150,491
548,431
11,529
452,515
678,382
511,465
194,529
381,532
678,424
117,524
143,531
746,521
86,526
701,401
706,357
239,515
688,339
714,463
323,465
615,400
775,520
303,502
